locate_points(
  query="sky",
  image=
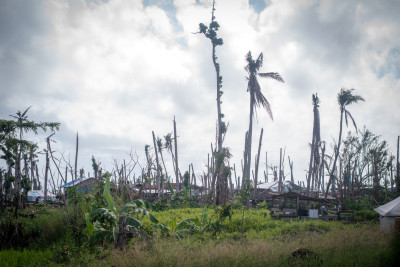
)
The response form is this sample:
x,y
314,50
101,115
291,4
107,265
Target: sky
x,y
114,71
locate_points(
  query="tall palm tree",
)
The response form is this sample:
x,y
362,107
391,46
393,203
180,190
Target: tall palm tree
x,y
257,99
345,98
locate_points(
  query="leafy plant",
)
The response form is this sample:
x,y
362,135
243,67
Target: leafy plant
x,y
181,198
102,224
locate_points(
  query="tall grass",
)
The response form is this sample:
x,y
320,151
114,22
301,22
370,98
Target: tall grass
x,y
362,245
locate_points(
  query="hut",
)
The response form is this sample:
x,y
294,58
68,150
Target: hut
x,y
83,185
390,216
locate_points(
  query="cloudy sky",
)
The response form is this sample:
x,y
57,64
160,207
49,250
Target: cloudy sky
x,y
116,70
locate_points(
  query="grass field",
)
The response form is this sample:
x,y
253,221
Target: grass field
x,y
264,242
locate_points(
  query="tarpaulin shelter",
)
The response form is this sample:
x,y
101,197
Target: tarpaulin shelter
x,y
38,196
390,215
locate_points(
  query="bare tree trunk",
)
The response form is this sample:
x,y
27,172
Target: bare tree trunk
x,y
157,168
256,166
76,156
122,232
291,170
176,156
280,173
266,166
398,168
1,191
236,179
46,173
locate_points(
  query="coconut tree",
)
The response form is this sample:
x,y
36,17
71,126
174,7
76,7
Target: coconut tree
x,y
257,99
345,98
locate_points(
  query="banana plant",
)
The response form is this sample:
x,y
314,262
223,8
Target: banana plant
x,y
185,227
103,223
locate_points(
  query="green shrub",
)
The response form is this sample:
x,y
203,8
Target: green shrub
x,y
366,215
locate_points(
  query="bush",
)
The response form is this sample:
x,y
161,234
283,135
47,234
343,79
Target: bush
x,y
366,215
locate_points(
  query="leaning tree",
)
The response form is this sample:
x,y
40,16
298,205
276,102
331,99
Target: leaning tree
x,y
345,98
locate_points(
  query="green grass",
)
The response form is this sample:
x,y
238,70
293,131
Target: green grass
x,y
361,245
25,258
265,242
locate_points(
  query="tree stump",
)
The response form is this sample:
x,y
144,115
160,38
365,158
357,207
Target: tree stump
x,y
122,232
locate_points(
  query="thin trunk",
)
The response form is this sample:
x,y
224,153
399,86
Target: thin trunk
x,y
398,168
310,166
76,156
157,168
291,170
331,175
266,166
46,173
247,164
280,174
236,179
52,157
257,164
176,156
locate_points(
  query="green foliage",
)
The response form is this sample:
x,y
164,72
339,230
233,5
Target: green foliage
x,y
181,198
102,223
363,203
366,216
25,257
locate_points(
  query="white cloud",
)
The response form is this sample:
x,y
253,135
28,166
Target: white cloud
x,y
119,70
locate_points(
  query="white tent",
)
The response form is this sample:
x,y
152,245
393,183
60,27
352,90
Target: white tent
x,y
38,196
391,209
390,216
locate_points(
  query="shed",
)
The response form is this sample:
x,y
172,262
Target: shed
x,y
83,185
390,216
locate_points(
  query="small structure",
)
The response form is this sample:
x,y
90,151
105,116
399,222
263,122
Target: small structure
x,y
266,190
286,205
390,216
38,196
83,185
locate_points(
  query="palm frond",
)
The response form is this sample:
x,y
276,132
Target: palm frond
x,y
347,113
346,97
260,100
23,114
259,61
272,75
